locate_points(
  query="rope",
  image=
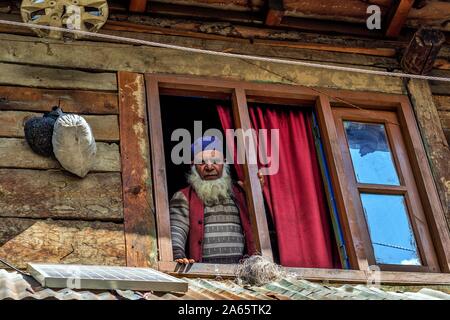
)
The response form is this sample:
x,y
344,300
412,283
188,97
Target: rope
x,y
226,54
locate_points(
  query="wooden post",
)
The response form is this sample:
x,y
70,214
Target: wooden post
x,y
139,220
433,137
159,169
397,17
421,53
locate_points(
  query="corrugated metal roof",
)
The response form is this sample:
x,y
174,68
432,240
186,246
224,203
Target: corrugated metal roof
x,y
15,286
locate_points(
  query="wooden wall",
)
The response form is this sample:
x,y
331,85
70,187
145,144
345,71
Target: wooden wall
x,y
442,103
47,214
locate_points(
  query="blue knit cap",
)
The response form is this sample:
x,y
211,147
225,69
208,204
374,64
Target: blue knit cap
x,y
206,143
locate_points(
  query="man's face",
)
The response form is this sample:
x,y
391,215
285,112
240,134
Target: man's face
x,y
209,164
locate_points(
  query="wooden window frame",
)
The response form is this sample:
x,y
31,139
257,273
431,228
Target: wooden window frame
x,y
406,188
323,101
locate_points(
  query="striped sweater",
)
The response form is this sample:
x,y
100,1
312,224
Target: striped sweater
x,y
223,239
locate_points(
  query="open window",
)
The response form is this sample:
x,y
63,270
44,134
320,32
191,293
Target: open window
x,y
391,219
361,204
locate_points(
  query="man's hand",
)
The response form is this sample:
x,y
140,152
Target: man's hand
x,y
185,261
260,178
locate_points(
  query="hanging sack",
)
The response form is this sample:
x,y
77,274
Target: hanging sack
x,y
74,144
39,132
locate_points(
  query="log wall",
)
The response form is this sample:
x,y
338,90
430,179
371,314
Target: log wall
x,y
46,213
49,215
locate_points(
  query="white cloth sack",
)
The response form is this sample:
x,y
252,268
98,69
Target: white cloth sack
x,y
74,144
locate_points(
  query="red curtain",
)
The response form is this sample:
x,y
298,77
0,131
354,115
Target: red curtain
x,y
295,195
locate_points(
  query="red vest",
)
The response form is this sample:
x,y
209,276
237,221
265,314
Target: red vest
x,y
196,223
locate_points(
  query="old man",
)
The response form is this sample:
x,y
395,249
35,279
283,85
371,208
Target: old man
x,y
209,218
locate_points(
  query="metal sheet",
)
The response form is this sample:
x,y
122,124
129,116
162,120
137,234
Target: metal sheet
x,y
104,277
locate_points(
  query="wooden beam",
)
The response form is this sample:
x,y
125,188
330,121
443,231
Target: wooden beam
x,y
59,241
138,5
55,78
104,127
138,211
240,35
397,17
58,194
16,153
275,12
32,99
313,274
160,29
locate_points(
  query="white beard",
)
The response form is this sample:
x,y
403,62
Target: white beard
x,y
211,192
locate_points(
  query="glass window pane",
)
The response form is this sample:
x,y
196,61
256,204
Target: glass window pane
x,y
390,230
371,156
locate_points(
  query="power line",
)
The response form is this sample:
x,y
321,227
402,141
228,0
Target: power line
x,y
226,54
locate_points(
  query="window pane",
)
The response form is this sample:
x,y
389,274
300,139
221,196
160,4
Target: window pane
x,y
371,156
390,231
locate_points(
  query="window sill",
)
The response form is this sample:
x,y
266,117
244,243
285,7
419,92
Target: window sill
x,y
205,270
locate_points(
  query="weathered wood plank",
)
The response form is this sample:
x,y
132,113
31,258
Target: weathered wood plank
x,y
138,211
169,30
104,127
434,139
32,99
109,56
440,87
445,121
443,106
238,32
32,76
442,102
58,194
158,60
71,242
15,153
206,270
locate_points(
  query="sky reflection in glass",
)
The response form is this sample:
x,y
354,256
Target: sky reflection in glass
x,y
390,230
370,153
